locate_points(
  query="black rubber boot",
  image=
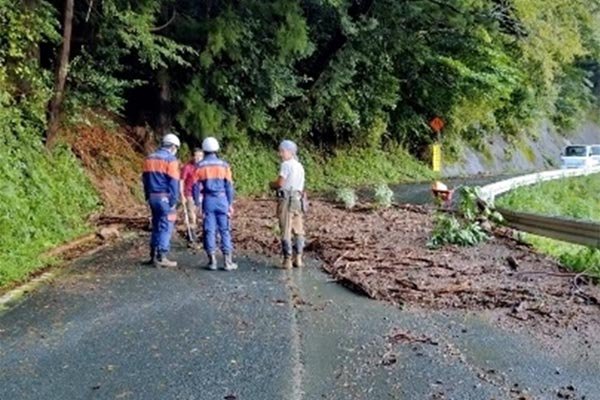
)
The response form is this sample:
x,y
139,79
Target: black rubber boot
x,y
298,251
152,257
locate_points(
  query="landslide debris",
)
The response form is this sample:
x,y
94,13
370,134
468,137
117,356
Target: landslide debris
x,y
383,255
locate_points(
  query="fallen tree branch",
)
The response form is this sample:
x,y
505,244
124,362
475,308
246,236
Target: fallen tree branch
x,y
71,245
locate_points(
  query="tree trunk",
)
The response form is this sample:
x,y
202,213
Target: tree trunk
x,y
61,76
164,115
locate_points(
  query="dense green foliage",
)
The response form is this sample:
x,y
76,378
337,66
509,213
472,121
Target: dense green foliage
x,y
359,73
45,196
44,202
464,227
367,72
355,82
346,72
575,198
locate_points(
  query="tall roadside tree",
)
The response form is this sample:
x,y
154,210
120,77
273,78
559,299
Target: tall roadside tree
x,y
109,47
62,69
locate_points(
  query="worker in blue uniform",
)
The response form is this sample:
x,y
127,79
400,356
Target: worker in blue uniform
x,y
161,189
213,192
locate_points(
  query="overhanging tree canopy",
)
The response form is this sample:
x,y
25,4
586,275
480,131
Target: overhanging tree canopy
x,y
330,72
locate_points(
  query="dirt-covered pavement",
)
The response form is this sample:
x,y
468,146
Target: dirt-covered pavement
x,y
455,324
110,328
383,254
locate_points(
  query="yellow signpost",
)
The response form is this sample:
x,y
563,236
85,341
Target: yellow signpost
x,y
437,124
436,157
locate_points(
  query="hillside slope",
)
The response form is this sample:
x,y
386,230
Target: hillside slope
x,y
530,154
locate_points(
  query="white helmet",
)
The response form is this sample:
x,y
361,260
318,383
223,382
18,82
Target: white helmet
x,y
439,187
210,145
171,140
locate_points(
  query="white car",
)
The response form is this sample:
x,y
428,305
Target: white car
x,y
580,156
595,153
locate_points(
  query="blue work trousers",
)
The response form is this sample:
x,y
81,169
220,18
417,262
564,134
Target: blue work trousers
x,y
163,222
216,217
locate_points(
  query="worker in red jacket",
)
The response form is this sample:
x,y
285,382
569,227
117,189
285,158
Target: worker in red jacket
x,y
187,182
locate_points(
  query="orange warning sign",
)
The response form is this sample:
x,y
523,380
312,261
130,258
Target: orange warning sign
x,y
437,124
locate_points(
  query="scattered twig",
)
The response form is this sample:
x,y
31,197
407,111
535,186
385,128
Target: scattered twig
x,y
557,274
337,260
166,24
89,11
407,337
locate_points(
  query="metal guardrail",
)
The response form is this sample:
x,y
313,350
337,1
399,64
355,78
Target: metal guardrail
x,y
568,230
489,192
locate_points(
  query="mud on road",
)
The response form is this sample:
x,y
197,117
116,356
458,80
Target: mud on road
x,y
383,254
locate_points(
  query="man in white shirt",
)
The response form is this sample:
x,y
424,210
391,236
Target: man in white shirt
x,y
290,192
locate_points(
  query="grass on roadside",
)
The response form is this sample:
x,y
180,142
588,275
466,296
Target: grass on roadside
x,y
578,258
255,165
577,198
44,203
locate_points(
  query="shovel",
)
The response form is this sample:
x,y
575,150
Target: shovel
x,y
191,235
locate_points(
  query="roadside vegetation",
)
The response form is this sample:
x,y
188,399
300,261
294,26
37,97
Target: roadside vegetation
x,y
468,225
45,203
255,166
577,198
355,83
578,258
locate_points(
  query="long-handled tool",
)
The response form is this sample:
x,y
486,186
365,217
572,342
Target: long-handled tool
x,y
191,235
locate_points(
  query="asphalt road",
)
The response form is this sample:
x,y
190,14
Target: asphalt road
x,y
109,328
420,193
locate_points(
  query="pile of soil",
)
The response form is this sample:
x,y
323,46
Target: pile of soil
x,y
383,254
113,160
